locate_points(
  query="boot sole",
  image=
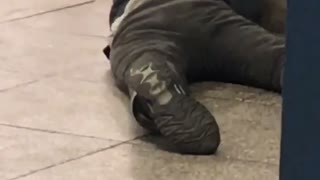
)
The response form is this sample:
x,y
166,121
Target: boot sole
x,y
189,125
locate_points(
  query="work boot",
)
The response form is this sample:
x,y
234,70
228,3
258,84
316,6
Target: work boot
x,y
161,104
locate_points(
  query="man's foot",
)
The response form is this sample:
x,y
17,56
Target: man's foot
x,y
184,121
163,105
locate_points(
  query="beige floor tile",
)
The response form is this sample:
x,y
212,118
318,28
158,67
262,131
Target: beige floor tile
x,y
12,79
88,20
42,53
235,92
129,162
12,9
23,151
80,107
98,72
249,130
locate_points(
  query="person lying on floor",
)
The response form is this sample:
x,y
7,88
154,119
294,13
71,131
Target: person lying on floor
x,y
158,47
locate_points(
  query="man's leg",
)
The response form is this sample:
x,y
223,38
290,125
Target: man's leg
x,y
151,67
241,51
270,14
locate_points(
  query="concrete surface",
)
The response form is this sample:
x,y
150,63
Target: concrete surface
x,y
62,118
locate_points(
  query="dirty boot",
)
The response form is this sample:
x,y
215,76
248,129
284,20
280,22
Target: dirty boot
x,y
161,104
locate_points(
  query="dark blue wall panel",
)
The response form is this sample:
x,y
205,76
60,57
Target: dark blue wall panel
x,y
300,147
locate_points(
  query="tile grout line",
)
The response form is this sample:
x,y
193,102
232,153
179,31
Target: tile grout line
x,y
74,159
85,35
55,132
82,35
47,12
19,85
22,85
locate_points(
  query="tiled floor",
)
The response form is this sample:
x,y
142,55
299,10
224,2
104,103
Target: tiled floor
x,y
62,118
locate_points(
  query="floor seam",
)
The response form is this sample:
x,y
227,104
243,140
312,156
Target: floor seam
x,y
27,83
74,159
47,12
56,132
95,36
19,85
